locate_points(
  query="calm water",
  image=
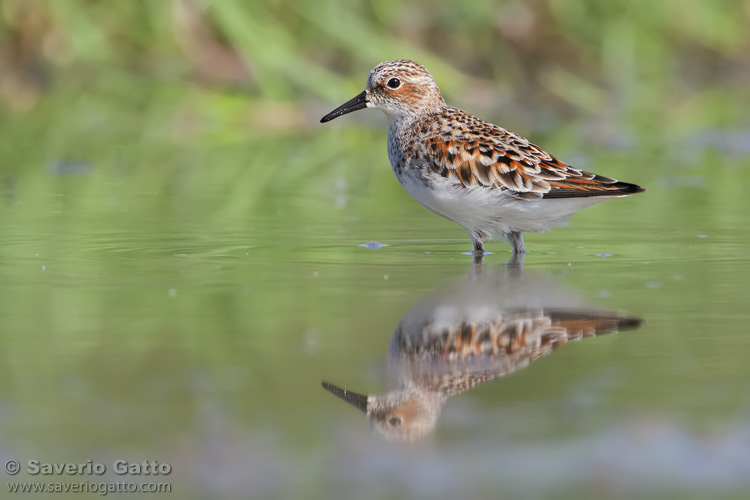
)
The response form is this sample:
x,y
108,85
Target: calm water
x,y
183,303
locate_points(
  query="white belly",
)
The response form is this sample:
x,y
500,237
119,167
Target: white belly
x,y
489,210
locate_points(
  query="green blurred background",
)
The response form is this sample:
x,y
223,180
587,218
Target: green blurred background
x,y
180,263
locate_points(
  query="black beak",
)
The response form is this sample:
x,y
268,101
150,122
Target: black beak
x,y
359,102
358,401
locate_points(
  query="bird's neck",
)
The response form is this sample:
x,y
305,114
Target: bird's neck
x,y
399,122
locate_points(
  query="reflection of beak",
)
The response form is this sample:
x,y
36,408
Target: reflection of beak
x,y
358,401
359,102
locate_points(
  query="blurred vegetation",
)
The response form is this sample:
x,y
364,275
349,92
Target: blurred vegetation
x,y
633,55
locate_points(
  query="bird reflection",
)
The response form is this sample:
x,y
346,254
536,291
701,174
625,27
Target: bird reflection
x,y
496,323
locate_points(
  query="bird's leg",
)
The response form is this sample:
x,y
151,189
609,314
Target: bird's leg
x,y
515,261
515,238
477,241
478,246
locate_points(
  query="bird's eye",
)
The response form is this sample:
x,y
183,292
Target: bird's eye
x,y
394,421
394,83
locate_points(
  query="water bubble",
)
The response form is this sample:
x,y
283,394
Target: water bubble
x,y
373,245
